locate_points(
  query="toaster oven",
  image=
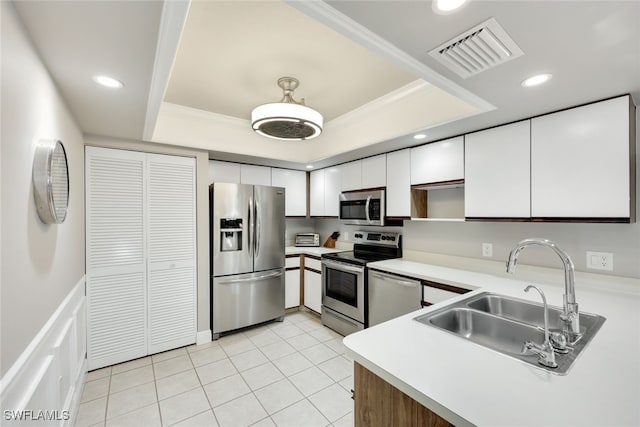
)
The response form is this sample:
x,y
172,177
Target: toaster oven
x,y
307,239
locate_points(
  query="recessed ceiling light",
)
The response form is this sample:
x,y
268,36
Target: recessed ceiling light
x,y
107,81
309,166
445,7
536,80
419,136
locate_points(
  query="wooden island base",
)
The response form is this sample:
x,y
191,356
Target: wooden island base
x,y
379,404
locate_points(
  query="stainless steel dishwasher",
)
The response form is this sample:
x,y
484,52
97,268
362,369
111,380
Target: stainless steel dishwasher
x,y
391,296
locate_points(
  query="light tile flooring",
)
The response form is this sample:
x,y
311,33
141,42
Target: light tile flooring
x,y
290,373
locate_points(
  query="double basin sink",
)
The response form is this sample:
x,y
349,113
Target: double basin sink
x,y
504,324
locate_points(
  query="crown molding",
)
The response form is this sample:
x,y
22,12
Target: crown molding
x,y
174,16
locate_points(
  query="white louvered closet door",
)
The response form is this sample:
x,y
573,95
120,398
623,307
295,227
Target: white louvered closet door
x,y
171,219
115,256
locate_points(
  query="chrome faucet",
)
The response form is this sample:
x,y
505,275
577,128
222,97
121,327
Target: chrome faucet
x,y
570,315
545,352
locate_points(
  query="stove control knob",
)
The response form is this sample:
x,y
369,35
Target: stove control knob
x,y
393,238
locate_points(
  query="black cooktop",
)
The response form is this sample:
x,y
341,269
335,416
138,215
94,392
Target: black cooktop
x,y
359,258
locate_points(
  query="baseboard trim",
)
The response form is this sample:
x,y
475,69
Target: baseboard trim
x,y
203,337
49,373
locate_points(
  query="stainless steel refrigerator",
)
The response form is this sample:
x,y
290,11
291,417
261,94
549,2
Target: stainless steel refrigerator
x,y
247,255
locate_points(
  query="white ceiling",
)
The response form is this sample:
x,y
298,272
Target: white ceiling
x,y
591,47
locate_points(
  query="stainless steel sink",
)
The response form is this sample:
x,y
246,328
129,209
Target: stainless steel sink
x,y
504,324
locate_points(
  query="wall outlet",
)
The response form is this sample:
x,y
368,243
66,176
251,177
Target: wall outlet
x,y
600,261
487,249
345,235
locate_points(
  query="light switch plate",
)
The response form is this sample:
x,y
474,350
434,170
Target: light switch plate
x,y
600,261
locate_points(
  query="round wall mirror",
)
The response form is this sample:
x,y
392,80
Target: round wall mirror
x,y
51,181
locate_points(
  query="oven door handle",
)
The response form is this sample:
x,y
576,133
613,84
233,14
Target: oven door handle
x,y
342,266
366,209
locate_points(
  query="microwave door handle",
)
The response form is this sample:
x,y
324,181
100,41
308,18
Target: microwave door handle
x,y
366,209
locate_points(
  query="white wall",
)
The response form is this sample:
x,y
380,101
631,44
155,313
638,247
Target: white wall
x,y
40,263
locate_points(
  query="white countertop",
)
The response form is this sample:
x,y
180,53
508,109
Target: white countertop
x,y
318,251
468,384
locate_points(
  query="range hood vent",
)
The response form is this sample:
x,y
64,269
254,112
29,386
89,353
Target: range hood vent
x,y
479,49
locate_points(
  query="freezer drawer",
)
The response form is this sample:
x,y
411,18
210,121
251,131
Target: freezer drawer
x,y
247,299
391,296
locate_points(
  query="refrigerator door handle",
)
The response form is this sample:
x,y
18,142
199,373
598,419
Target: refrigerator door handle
x,y
251,279
257,226
250,234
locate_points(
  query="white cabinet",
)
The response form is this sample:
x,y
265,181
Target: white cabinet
x,y
316,193
331,191
292,288
433,292
374,171
365,173
140,254
497,172
255,175
351,176
398,179
324,189
438,162
295,184
580,161
313,290
224,172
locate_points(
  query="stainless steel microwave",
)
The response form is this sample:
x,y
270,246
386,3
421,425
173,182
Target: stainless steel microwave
x,y
363,207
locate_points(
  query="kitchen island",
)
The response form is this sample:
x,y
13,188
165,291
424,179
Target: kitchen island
x,y
467,384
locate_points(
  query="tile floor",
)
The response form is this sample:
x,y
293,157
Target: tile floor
x,y
290,373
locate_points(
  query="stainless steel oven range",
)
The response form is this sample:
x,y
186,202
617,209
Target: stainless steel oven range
x,y
344,279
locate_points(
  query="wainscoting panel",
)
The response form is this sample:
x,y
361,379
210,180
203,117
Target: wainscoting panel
x,y
47,379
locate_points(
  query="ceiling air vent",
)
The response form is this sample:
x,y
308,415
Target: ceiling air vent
x,y
483,47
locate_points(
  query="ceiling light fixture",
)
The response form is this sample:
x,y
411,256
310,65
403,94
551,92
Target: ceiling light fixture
x,y
419,136
109,82
309,166
445,7
287,119
536,80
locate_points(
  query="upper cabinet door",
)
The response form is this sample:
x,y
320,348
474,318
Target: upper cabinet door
x,y
316,193
399,183
224,172
332,191
580,161
497,172
351,176
255,175
438,162
374,171
295,184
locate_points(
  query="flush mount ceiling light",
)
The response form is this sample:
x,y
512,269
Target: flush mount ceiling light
x,y
536,80
288,119
445,7
419,136
109,82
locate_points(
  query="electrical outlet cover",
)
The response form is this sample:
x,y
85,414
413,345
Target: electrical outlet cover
x,y
600,261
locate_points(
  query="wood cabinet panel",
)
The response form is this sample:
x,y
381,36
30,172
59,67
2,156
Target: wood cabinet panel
x,y
379,404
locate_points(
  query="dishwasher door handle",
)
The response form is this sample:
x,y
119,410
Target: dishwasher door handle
x,y
386,278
